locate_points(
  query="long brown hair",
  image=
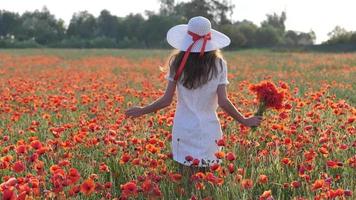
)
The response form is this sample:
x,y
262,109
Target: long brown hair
x,y
198,70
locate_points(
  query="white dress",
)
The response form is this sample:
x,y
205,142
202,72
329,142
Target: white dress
x,y
196,127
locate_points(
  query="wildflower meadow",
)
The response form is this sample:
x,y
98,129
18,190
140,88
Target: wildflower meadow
x,y
64,134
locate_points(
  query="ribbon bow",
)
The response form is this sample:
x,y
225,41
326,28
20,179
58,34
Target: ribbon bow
x,y
195,38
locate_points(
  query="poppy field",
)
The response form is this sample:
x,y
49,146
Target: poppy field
x,y
64,134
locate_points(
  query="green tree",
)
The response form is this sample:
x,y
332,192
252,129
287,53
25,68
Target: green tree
x,y
267,36
242,34
155,29
195,8
166,7
306,38
40,26
218,12
222,11
353,38
132,30
291,38
238,39
339,35
107,24
83,25
272,30
249,30
275,21
9,23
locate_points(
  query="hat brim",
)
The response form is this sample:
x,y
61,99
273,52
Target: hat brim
x,y
179,38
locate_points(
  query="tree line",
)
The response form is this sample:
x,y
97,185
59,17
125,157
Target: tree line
x,y
40,28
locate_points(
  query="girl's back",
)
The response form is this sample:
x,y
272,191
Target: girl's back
x,y
196,126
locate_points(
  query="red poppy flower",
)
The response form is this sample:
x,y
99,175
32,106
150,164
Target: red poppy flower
x,y
230,156
219,154
247,184
18,166
147,186
129,188
103,167
214,167
87,187
263,179
268,95
286,161
296,184
9,194
266,194
175,177
231,168
195,162
125,158
21,149
318,184
189,158
73,175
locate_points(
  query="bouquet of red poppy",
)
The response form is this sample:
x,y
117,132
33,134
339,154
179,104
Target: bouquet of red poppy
x,y
268,95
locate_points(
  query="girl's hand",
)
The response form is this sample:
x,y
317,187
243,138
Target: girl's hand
x,y
252,121
134,112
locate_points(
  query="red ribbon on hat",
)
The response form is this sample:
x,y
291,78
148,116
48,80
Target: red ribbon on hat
x,y
195,38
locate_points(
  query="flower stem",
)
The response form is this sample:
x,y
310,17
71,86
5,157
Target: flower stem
x,y
261,109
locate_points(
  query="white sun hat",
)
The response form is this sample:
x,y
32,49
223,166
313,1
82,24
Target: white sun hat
x,y
196,36
179,37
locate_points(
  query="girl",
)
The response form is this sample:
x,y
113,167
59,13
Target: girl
x,y
199,73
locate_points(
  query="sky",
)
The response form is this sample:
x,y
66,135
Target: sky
x,y
321,16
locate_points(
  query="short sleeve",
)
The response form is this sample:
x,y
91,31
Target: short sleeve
x,y
170,74
223,75
168,77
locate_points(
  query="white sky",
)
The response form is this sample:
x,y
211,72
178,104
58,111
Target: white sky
x,y
302,15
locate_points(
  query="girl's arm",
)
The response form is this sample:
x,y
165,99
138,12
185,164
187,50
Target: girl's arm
x,y
227,106
160,103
